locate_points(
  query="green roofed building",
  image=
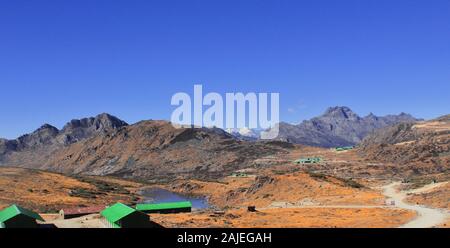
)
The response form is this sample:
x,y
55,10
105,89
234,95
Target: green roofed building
x,y
122,216
165,208
343,148
239,174
17,217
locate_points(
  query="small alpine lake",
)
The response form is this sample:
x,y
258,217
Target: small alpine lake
x,y
159,195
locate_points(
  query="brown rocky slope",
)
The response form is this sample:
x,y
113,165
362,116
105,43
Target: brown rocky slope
x,y
154,150
416,148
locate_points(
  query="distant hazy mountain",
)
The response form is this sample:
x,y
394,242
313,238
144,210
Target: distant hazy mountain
x,y
244,133
338,126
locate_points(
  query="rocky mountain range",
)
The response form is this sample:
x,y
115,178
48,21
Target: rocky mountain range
x,y
106,145
48,138
338,126
72,132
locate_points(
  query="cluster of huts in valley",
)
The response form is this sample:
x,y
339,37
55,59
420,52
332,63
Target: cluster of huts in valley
x,y
316,160
343,148
118,215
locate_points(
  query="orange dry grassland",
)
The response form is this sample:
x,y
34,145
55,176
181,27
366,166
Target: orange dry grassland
x,y
290,217
48,192
297,188
437,198
290,200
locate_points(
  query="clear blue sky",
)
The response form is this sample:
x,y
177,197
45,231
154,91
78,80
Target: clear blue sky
x,y
61,60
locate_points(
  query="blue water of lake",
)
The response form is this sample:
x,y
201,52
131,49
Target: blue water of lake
x,y
158,195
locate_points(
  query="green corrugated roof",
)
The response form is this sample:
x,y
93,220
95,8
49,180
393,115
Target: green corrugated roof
x,y
117,212
14,210
343,148
163,206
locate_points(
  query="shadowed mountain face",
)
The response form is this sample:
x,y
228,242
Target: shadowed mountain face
x,y
77,130
45,135
47,139
105,145
338,126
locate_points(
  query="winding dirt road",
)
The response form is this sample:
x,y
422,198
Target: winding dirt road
x,y
426,217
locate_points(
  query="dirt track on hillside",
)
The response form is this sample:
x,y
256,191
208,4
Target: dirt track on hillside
x,y
426,217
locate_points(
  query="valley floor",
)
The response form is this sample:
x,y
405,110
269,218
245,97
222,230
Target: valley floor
x,y
402,214
344,191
